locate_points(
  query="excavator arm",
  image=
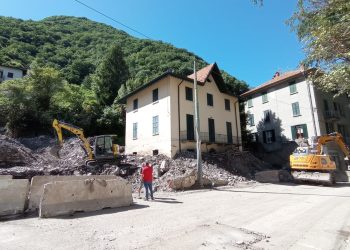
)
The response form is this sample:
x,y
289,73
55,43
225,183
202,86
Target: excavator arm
x,y
59,125
333,137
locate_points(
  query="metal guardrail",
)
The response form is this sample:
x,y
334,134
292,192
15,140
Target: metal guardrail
x,y
205,138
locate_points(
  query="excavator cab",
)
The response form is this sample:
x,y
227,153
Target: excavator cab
x,y
105,147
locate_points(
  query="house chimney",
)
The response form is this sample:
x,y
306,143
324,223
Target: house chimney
x,y
277,74
302,67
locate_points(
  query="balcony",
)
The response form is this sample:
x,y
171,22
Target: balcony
x,y
331,115
205,138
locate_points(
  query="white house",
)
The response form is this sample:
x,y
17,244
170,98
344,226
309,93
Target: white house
x,y
160,114
10,73
289,106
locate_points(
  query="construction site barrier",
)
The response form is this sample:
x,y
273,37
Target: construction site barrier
x,y
67,197
13,196
38,182
5,177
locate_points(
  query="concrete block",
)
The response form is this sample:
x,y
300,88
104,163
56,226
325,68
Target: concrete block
x,y
38,182
13,196
267,176
5,177
67,197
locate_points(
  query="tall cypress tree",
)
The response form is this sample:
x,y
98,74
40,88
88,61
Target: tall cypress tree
x,y
110,75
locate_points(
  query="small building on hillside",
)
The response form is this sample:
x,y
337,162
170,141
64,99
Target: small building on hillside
x,y
289,107
160,114
10,73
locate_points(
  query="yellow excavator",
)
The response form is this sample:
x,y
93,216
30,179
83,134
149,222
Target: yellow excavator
x,y
325,162
104,149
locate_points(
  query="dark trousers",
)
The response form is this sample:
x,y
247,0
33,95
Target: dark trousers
x,y
148,187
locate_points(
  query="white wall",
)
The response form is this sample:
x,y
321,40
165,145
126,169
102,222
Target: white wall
x,y
146,142
280,102
17,73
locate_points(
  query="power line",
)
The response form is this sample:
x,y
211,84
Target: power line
x,y
111,18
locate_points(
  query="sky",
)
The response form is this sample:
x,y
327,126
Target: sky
x,y
248,41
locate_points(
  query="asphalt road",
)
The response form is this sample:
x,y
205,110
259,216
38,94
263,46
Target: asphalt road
x,y
262,216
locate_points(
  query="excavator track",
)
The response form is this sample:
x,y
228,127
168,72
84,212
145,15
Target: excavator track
x,y
314,177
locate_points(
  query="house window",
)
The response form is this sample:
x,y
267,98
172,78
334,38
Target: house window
x,y
295,108
210,99
1,74
136,104
189,94
134,130
227,104
250,102
251,120
155,125
299,131
267,115
190,127
293,88
155,95
264,97
229,132
269,136
211,126
10,75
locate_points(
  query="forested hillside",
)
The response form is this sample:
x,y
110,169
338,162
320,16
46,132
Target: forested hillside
x,y
76,54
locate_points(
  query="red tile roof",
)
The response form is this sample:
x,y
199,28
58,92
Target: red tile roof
x,y
203,74
277,80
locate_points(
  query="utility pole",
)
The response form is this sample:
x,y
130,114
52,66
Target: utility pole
x,y
198,139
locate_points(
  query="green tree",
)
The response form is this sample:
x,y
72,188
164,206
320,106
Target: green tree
x,y
110,75
323,26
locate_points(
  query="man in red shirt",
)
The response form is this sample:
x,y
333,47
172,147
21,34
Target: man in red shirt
x,y
147,176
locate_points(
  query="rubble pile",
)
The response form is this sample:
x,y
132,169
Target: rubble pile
x,y
28,157
219,169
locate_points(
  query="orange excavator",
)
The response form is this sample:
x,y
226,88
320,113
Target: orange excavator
x,y
326,161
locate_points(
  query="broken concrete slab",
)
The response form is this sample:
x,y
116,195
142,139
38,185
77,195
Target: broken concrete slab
x,y
38,182
67,197
5,177
13,196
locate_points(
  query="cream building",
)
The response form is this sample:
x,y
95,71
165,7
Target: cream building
x,y
10,73
289,106
160,114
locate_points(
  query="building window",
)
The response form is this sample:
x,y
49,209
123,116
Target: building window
x,y
134,130
1,74
189,94
264,97
250,102
211,126
10,75
136,104
155,95
229,132
155,125
210,99
190,127
227,104
251,120
269,136
299,131
267,115
295,108
293,88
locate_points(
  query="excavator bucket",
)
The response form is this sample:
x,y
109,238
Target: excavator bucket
x,y
55,150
